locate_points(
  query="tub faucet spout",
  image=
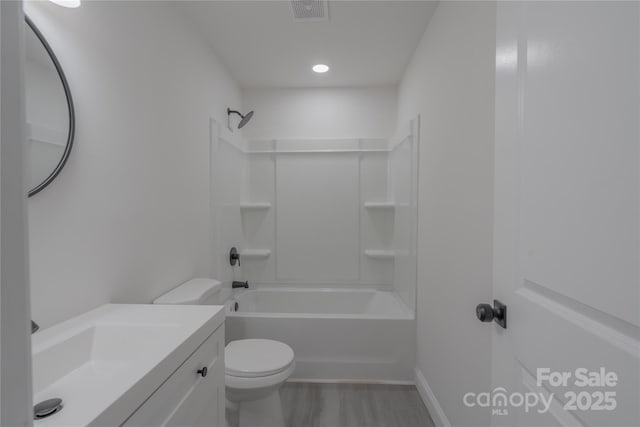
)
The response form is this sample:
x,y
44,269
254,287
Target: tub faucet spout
x,y
240,285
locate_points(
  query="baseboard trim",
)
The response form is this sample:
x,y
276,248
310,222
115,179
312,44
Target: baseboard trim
x,y
347,381
430,401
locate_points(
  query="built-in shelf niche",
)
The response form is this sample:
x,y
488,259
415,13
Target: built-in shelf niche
x,y
255,253
380,254
386,206
253,212
383,207
255,206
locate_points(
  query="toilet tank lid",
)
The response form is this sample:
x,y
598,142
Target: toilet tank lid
x,y
191,292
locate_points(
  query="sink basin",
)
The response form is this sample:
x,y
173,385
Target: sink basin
x,y
97,363
97,353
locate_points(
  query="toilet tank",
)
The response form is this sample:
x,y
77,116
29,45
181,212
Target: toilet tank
x,y
198,291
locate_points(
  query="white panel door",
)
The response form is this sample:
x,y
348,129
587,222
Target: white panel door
x,y
567,199
317,225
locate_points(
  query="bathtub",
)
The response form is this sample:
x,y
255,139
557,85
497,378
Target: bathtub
x,y
337,334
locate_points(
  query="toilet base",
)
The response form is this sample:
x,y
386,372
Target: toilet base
x,y
265,412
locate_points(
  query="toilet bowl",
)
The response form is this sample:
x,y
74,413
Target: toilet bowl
x,y
254,368
254,371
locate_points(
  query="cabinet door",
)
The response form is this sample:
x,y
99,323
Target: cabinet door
x,y
187,399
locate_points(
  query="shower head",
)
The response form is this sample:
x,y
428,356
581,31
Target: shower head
x,y
244,117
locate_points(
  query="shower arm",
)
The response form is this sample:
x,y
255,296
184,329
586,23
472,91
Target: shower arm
x,y
230,111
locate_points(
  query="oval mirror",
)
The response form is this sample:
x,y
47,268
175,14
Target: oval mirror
x,y
49,111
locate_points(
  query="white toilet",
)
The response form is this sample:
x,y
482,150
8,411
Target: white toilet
x,y
254,368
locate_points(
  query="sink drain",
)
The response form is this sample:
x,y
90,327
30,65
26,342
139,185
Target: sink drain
x,y
47,408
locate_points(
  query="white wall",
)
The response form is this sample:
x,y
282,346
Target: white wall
x,y
15,343
321,113
450,83
317,221
128,218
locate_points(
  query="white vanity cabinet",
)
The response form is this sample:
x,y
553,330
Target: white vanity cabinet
x,y
133,365
193,396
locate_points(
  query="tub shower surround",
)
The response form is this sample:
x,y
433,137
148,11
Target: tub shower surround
x,y
339,212
326,234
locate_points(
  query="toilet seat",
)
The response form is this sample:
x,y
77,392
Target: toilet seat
x,y
243,383
257,358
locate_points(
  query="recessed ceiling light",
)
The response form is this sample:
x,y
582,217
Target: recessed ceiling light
x,y
320,68
67,3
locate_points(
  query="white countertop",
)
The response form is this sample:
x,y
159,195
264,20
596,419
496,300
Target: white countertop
x,y
104,363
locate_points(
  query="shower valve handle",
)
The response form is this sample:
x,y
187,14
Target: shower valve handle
x,y
234,257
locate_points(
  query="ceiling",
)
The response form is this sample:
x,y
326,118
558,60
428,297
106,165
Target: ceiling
x,y
366,43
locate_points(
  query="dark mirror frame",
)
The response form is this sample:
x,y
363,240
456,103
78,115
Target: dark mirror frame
x,y
72,116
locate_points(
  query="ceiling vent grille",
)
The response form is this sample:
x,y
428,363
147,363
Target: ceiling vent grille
x,y
310,10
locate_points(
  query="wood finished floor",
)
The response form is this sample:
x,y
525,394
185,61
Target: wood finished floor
x,y
351,405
